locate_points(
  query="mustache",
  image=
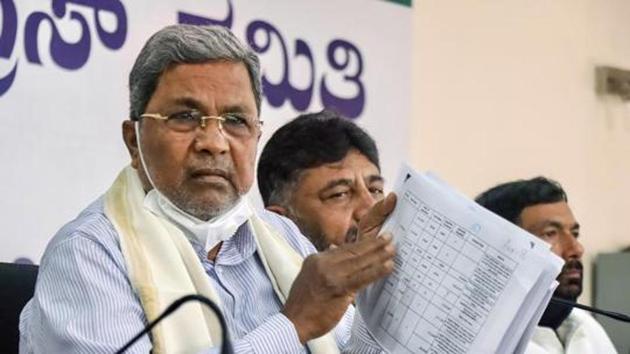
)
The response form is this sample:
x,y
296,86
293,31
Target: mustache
x,y
214,167
572,264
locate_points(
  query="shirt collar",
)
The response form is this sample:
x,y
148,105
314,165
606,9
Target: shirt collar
x,y
234,250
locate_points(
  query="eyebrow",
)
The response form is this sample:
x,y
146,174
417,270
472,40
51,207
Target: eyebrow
x,y
193,103
551,223
234,109
337,182
375,178
346,182
557,224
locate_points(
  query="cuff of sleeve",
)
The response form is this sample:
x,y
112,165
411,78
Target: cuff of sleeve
x,y
361,341
276,335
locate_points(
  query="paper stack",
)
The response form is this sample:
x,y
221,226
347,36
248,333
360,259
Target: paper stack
x,y
465,280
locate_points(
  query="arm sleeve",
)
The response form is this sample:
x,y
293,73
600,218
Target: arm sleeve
x,y
352,335
83,302
276,335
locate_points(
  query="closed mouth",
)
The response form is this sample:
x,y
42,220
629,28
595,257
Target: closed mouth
x,y
209,172
573,272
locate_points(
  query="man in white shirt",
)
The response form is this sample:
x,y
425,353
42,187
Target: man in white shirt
x,y
539,205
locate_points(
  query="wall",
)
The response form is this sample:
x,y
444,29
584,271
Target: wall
x,y
505,90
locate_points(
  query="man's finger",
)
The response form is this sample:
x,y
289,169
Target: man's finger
x,y
369,275
357,250
376,215
351,266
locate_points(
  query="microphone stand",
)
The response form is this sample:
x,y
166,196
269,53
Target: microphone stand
x,y
615,315
226,347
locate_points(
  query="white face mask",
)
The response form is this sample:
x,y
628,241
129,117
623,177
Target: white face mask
x,y
206,233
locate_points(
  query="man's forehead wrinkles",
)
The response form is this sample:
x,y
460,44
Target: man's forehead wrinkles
x,y
207,81
337,165
321,172
188,101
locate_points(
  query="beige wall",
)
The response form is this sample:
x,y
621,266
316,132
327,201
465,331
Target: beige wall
x,y
504,89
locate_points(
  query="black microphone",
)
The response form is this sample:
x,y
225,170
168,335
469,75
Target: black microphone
x,y
226,346
614,315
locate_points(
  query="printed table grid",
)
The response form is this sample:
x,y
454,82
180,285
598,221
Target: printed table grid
x,y
430,288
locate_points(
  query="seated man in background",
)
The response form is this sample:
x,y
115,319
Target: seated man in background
x,y
321,171
175,222
539,205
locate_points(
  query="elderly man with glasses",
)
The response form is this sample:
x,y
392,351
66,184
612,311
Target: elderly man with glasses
x,y
176,222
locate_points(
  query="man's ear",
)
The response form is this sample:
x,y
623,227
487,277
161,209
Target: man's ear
x,y
277,209
131,141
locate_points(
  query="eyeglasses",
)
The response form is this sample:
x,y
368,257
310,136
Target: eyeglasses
x,y
235,125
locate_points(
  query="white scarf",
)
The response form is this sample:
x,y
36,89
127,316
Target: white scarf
x,y
163,267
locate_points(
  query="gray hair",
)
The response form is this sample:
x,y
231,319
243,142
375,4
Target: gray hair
x,y
186,44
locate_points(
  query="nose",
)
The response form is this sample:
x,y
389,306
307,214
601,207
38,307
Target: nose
x,y
572,248
364,201
211,138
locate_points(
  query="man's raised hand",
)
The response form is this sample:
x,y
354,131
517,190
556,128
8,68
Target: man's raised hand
x,y
329,280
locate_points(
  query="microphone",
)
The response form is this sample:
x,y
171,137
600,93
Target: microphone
x,y
226,346
614,315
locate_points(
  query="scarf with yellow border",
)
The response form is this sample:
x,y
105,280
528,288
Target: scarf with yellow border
x,y
163,267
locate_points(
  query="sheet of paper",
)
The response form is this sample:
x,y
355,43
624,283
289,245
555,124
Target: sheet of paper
x,y
461,273
526,320
531,326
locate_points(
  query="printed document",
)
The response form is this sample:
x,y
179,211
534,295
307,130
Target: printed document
x,y
465,280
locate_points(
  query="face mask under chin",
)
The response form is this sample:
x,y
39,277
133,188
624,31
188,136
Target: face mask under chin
x,y
205,233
